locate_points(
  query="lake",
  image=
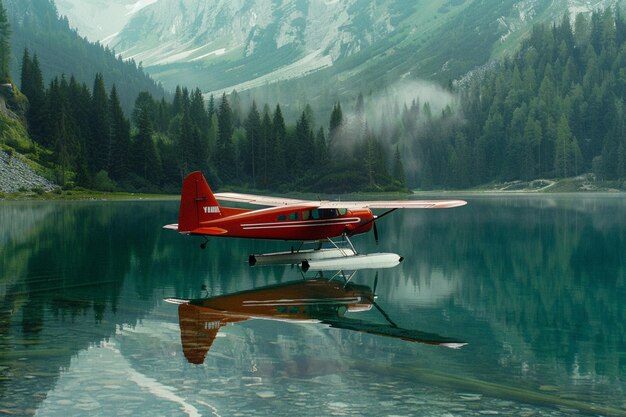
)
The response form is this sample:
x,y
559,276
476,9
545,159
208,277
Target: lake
x,y
533,289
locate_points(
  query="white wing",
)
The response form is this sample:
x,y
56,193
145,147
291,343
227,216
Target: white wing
x,y
260,199
393,204
351,205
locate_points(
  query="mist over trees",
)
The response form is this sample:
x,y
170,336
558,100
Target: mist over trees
x,y
554,109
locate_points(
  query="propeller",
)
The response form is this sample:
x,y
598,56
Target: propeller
x,y
375,237
374,223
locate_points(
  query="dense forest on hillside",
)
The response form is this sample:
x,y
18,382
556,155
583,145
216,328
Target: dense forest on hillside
x,y
37,26
555,109
95,145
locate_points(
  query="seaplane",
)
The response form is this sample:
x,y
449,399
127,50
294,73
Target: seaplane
x,y
314,300
304,221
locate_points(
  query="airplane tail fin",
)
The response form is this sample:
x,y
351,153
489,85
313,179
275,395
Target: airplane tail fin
x,y
198,331
197,203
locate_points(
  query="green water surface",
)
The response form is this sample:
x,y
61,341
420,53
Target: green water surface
x,y
535,285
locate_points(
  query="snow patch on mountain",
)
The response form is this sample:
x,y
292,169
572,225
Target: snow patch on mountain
x,y
217,52
314,61
134,8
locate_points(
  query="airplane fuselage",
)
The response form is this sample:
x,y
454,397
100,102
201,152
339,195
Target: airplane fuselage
x,y
293,223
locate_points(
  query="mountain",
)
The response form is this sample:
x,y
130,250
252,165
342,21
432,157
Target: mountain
x,y
36,25
342,46
99,19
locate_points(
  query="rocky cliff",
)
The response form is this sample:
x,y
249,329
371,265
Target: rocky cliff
x,y
16,175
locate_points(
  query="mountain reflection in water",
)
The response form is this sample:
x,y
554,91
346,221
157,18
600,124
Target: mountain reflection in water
x,y
317,300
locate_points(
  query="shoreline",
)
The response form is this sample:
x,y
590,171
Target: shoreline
x,y
89,195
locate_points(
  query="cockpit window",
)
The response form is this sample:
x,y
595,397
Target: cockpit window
x,y
317,214
328,213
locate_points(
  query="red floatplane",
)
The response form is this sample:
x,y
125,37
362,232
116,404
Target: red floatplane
x,y
201,214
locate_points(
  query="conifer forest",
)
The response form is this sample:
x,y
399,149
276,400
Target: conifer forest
x,y
554,109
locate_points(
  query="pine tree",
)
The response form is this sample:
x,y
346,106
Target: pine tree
x,y
5,47
100,146
26,73
32,86
303,148
211,107
147,164
336,120
266,142
177,104
120,139
212,141
225,156
162,116
185,144
370,159
144,103
398,168
253,137
321,150
278,167
55,109
335,129
581,29
532,146
79,99
566,154
358,124
199,119
199,116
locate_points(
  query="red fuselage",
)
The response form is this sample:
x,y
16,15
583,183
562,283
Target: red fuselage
x,y
293,223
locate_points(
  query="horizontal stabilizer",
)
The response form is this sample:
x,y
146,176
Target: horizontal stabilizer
x,y
171,226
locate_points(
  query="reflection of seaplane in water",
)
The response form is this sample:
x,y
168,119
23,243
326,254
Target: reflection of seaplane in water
x,y
287,219
318,300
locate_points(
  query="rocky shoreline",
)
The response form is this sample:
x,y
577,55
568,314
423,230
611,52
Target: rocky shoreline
x,y
17,176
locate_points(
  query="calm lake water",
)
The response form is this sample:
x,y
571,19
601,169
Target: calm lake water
x,y
535,285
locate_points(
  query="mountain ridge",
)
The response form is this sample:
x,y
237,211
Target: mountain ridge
x,y
222,45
